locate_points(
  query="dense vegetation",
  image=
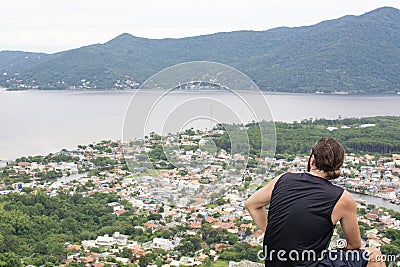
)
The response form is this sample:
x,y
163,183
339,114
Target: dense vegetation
x,y
34,227
357,54
298,138
394,247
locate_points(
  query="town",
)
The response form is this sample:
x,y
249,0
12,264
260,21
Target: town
x,y
189,193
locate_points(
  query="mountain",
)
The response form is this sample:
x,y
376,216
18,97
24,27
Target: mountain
x,y
356,54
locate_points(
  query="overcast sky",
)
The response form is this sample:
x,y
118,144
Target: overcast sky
x,y
56,25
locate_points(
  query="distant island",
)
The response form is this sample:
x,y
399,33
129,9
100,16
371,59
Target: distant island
x,y
349,55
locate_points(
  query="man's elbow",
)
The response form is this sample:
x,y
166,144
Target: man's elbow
x,y
250,205
247,204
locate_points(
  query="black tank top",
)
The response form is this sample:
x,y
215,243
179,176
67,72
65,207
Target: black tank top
x,y
299,220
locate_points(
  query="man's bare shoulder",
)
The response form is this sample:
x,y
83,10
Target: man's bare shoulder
x,y
345,207
347,200
347,196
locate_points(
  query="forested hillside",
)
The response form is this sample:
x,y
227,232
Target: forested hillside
x,y
355,54
376,135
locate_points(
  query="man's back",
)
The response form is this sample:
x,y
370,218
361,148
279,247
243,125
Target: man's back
x,y
299,219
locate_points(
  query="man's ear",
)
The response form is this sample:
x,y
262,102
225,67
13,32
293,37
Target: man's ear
x,y
312,161
309,162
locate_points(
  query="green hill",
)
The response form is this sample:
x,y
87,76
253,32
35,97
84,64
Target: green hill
x,y
356,54
372,135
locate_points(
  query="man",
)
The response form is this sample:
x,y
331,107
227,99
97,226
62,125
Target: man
x,y
303,211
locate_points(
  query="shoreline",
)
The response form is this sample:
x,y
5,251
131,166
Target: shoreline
x,y
385,202
10,158
264,92
370,195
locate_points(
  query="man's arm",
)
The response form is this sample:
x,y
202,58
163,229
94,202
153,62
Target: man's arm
x,y
257,202
346,212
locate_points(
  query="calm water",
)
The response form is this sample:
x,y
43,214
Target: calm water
x,y
377,201
39,122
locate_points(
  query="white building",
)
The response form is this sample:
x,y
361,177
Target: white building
x,y
162,243
137,203
105,240
88,244
120,239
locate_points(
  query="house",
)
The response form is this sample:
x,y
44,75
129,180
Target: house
x,y
224,214
120,212
90,259
210,219
105,240
372,231
137,203
116,206
245,263
256,237
174,263
220,247
202,257
195,225
120,239
124,261
138,251
374,243
150,225
88,244
188,261
74,247
166,214
247,226
371,216
162,243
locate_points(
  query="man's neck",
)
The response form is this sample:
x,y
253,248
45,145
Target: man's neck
x,y
318,173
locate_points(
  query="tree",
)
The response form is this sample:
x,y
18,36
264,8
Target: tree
x,y
390,249
362,230
230,255
252,253
393,234
126,253
2,245
147,259
159,262
207,261
190,244
10,259
232,239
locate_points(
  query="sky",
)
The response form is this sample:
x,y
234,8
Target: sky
x,y
57,25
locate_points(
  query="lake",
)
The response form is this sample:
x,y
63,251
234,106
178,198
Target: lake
x,y
39,122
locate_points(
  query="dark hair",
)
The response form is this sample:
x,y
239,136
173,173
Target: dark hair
x,y
329,156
